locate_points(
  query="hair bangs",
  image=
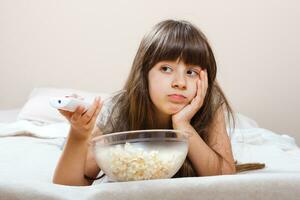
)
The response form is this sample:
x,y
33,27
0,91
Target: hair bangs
x,y
195,53
182,42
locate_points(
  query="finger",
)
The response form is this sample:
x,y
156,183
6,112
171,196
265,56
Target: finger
x,y
199,88
77,113
94,115
100,104
197,99
73,95
93,119
203,84
65,113
90,112
76,96
206,82
200,96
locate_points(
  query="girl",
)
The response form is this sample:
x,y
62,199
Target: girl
x,y
172,85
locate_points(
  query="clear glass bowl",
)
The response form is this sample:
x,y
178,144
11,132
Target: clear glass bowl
x,y
142,154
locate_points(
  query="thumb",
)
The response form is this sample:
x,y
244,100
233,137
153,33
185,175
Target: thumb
x,y
65,113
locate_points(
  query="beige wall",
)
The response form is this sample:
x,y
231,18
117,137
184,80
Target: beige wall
x,y
90,45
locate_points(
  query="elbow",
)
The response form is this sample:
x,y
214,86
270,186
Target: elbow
x,y
57,181
228,169
228,172
224,168
71,182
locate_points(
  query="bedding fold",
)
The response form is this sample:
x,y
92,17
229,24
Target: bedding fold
x,y
28,128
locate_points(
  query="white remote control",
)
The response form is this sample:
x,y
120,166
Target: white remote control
x,y
68,103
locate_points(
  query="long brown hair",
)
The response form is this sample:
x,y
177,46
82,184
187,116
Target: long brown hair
x,y
168,40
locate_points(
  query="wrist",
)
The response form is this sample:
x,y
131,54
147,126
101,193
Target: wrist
x,y
178,122
78,135
182,126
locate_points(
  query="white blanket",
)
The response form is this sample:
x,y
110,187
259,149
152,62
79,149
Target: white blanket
x,y
28,128
27,165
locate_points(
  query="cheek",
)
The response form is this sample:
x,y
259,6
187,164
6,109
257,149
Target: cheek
x,y
154,89
152,92
157,85
157,91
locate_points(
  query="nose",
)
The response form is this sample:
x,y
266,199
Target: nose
x,y
179,82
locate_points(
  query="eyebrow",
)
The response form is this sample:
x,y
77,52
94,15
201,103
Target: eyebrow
x,y
171,63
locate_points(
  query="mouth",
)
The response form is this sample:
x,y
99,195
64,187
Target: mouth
x,y
177,98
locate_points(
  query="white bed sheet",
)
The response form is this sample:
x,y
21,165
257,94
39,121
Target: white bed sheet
x,y
26,174
29,154
246,187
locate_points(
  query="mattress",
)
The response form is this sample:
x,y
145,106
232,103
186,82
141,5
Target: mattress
x,y
30,152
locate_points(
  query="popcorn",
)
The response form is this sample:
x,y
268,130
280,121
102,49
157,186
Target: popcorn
x,y
128,163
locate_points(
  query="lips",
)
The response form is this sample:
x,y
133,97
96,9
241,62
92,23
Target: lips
x,y
178,98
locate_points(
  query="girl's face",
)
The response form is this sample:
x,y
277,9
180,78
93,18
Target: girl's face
x,y
172,85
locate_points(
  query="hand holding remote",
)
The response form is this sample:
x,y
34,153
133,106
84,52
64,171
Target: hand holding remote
x,y
83,118
69,103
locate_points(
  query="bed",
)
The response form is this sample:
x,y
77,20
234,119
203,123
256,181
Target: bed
x,y
31,139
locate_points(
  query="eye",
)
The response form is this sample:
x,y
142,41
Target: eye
x,y
192,73
166,68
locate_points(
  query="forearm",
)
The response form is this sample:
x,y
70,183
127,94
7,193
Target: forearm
x,y
205,160
71,166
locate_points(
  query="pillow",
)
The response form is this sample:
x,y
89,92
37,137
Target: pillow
x,y
38,109
241,122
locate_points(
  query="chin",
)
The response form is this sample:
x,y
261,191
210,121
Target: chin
x,y
174,109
